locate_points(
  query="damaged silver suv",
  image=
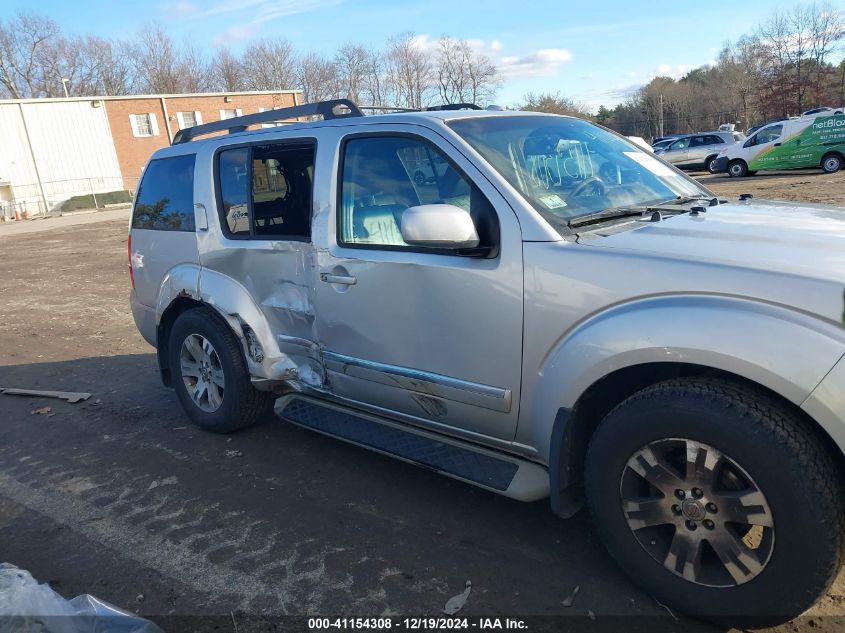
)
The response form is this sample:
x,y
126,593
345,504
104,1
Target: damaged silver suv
x,y
552,313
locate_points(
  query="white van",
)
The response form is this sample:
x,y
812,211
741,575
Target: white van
x,y
789,144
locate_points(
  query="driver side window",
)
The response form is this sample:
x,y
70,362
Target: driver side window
x,y
384,175
769,134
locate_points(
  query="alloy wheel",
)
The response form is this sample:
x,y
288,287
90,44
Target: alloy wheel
x,y
202,372
697,512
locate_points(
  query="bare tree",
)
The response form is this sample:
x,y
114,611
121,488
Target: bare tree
x,y
117,68
351,63
194,70
227,71
156,61
375,80
317,77
463,75
269,64
409,71
24,42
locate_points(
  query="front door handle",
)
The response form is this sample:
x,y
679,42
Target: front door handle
x,y
778,144
346,280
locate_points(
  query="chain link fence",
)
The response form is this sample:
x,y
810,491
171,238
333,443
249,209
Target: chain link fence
x,y
64,196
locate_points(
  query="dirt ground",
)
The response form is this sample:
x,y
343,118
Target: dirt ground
x,y
120,497
811,185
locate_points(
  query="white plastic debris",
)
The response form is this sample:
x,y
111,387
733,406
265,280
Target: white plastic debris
x,y
456,603
26,605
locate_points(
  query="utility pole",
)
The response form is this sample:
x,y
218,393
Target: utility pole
x,y
660,116
65,81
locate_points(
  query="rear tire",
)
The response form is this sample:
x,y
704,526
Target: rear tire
x,y
772,483
832,163
710,163
737,169
210,375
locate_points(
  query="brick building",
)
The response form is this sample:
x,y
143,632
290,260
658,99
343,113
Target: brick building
x,y
53,149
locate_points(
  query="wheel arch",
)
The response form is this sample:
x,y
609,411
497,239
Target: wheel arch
x,y
575,426
619,351
832,153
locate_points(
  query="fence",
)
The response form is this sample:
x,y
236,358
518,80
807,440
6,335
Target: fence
x,y
57,196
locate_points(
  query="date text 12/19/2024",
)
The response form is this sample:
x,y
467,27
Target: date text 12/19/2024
x,y
416,624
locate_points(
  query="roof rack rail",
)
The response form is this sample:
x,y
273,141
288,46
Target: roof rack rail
x,y
453,106
332,109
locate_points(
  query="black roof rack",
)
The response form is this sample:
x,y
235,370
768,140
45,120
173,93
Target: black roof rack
x,y
332,109
453,106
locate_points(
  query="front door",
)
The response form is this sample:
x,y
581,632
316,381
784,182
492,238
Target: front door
x,y
434,336
678,152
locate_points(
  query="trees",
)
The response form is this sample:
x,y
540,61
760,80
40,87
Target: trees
x,y
781,69
36,60
553,103
464,75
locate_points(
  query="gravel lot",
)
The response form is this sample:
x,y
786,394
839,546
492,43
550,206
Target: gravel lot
x,y
120,497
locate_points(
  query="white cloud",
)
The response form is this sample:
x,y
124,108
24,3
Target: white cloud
x,y
544,61
256,12
184,8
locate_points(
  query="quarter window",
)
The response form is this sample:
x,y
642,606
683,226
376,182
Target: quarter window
x,y
165,199
383,176
266,190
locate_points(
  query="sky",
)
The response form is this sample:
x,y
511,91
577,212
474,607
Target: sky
x,y
595,52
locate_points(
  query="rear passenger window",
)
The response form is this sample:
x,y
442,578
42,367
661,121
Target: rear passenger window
x,y
266,190
165,200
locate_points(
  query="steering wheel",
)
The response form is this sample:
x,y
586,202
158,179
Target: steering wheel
x,y
593,185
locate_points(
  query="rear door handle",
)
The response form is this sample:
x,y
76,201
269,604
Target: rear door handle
x,y
347,280
778,144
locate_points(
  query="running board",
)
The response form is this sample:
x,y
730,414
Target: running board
x,y
501,473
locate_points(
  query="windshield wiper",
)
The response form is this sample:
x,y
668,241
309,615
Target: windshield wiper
x,y
607,214
682,200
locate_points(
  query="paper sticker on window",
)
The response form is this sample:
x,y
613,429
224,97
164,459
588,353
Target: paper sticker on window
x,y
651,163
552,201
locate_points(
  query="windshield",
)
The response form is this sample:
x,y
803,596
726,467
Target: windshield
x,y
566,168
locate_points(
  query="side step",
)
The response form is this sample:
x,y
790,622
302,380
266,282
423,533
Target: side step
x,y
505,474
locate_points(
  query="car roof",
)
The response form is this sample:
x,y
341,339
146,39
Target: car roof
x,y
426,118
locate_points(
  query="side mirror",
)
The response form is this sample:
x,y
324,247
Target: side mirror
x,y
438,226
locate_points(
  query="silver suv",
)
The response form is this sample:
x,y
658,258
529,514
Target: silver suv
x,y
553,313
698,151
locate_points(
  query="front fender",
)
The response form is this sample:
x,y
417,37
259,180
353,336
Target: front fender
x,y
780,348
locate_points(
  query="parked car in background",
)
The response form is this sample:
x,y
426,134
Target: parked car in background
x,y
662,144
822,111
697,151
790,144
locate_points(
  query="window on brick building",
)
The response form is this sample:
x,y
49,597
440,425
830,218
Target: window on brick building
x,y
230,113
144,124
188,119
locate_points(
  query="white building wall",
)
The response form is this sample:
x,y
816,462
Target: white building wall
x,y
71,142
16,165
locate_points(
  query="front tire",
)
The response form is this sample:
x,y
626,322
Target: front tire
x,y
737,169
719,500
210,375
